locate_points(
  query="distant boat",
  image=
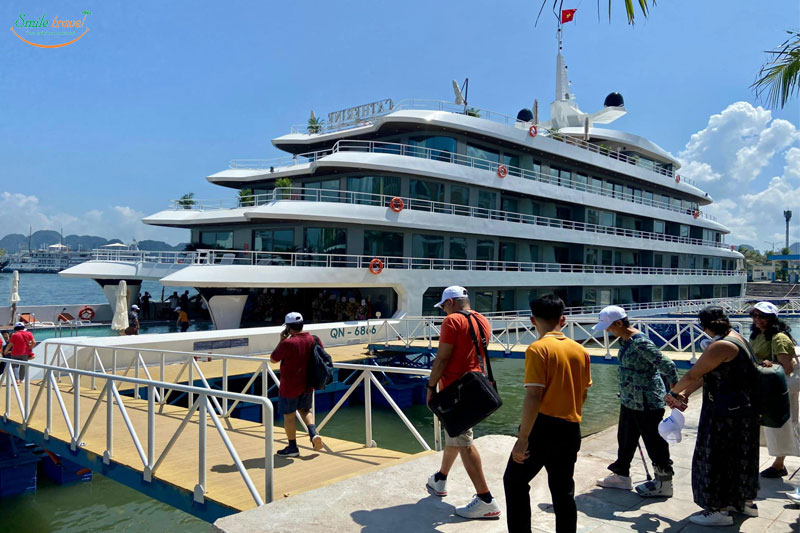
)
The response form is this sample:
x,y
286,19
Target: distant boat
x,y
48,259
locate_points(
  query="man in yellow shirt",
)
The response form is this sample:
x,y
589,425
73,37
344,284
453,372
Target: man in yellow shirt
x,y
557,375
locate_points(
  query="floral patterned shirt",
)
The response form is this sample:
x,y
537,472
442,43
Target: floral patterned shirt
x,y
641,365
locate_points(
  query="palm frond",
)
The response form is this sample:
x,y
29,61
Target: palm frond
x,y
779,76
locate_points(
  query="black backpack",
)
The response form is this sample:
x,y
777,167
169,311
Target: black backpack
x,y
320,367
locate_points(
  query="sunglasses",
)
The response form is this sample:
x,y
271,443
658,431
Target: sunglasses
x,y
756,314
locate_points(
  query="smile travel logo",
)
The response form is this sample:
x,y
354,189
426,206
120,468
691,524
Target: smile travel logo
x,y
46,31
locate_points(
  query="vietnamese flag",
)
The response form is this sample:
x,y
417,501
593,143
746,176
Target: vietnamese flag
x,y
567,15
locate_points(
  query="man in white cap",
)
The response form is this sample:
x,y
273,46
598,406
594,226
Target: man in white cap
x,y
641,392
294,394
455,357
133,321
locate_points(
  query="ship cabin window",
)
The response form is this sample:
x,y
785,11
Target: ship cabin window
x,y
484,250
560,176
659,226
595,185
531,165
534,253
658,260
369,189
510,205
484,156
427,246
708,235
508,251
217,240
384,243
323,191
648,197
626,258
458,252
637,195
676,203
619,190
600,218
273,240
459,196
438,148
511,160
684,230
658,294
325,240
683,292
484,301
581,181
427,191
505,300
487,200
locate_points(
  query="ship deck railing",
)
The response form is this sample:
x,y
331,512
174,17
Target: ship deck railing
x,y
444,156
335,260
494,116
304,194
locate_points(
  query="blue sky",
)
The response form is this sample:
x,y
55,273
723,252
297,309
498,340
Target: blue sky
x,y
158,95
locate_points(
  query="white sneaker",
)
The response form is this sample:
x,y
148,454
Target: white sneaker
x,y
477,508
655,489
794,496
438,487
712,518
615,481
316,442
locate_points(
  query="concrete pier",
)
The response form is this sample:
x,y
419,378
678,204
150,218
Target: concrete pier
x,y
395,499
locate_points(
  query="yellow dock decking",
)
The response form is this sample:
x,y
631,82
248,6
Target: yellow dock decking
x,y
338,460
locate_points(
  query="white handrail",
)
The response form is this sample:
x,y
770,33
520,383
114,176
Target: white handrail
x,y
111,395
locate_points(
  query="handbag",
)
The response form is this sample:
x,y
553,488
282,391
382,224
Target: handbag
x,y
472,397
793,381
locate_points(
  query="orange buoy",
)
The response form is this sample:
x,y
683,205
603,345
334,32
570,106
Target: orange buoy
x,y
677,178
396,204
532,131
502,171
696,214
376,266
86,313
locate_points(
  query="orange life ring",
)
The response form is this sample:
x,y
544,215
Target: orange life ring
x,y
502,171
533,130
677,178
396,204
696,214
376,266
86,313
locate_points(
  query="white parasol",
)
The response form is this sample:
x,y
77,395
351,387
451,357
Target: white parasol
x,y
14,298
120,321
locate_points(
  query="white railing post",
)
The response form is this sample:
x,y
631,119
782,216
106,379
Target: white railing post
x,y
200,488
49,394
190,396
225,386
76,411
368,409
151,433
109,420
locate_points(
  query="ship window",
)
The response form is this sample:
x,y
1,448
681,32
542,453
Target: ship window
x,y
483,301
427,246
219,240
535,253
511,160
581,181
364,187
487,200
485,250
592,256
280,240
619,190
676,203
589,296
605,257
595,185
440,148
459,195
658,294
600,218
322,190
508,251
483,155
658,226
386,243
458,248
428,191
626,258
505,300
658,260
325,240
684,230
648,198
510,205
560,176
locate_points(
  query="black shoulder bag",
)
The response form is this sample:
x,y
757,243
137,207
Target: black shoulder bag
x,y
472,397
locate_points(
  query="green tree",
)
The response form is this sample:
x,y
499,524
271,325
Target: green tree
x,y
2,252
630,8
780,75
314,123
187,200
285,184
246,198
472,112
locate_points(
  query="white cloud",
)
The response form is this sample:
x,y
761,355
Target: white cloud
x,y
737,158
19,211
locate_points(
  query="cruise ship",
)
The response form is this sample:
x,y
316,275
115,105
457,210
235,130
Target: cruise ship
x,y
376,209
47,260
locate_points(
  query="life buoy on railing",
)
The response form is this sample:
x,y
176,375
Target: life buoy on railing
x,y
696,214
677,178
86,313
396,204
502,171
533,130
376,266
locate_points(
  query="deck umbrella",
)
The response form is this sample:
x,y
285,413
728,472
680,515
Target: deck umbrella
x,y
14,298
120,321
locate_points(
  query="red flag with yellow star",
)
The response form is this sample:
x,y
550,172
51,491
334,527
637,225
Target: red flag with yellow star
x,y
567,15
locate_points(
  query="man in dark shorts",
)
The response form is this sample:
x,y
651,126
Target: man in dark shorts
x,y
294,395
20,347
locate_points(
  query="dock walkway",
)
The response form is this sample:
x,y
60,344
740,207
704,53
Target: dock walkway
x,y
394,499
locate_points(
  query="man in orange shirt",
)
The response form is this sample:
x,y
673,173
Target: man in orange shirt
x,y
455,357
557,375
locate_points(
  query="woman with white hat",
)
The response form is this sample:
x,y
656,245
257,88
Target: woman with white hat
x,y
772,343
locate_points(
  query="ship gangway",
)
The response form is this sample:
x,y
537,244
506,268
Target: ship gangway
x,y
103,409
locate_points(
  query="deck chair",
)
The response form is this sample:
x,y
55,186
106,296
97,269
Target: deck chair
x,y
27,318
227,259
65,317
